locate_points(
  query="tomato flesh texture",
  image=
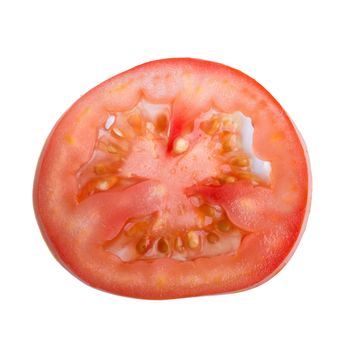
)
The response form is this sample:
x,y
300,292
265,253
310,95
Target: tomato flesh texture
x,y
101,212
130,149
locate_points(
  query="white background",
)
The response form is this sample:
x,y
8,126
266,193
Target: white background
x,y
52,52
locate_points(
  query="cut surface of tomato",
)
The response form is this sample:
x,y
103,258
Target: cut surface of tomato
x,y
179,177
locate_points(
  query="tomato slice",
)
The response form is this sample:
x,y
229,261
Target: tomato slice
x,y
177,178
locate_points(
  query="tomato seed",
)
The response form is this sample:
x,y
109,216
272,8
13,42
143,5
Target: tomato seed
x,y
180,145
113,149
117,132
210,127
106,184
179,245
224,225
212,237
226,141
136,121
162,123
249,176
135,229
163,246
103,169
192,239
228,179
103,185
230,124
143,245
240,162
207,210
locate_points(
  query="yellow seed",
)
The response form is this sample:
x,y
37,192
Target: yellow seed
x,y
179,245
103,185
180,145
249,176
188,128
229,123
100,169
226,141
192,239
117,132
137,228
212,237
163,246
210,127
136,121
207,210
106,184
224,225
228,179
113,149
162,123
143,245
212,182
241,161
103,169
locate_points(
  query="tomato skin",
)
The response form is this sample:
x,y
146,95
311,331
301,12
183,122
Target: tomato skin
x,y
82,252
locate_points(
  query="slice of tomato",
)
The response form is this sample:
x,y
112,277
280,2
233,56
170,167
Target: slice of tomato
x,y
177,178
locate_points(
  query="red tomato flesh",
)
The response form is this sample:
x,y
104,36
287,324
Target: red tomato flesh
x,y
178,178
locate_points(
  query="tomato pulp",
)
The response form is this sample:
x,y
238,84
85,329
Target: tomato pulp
x,y
179,177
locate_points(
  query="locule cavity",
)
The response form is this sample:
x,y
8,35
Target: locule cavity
x,y
215,149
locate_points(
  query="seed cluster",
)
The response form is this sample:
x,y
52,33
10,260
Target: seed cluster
x,y
224,133
113,147
141,238
145,242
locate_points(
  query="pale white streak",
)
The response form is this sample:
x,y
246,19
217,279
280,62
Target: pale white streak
x,y
110,121
259,167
